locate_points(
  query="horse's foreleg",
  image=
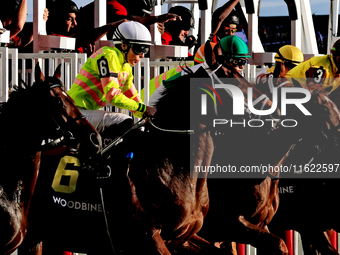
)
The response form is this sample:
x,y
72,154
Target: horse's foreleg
x,y
158,243
317,241
260,238
196,245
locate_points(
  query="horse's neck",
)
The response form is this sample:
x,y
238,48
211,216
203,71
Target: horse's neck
x,y
19,139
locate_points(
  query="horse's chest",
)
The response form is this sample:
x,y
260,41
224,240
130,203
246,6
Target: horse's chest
x,y
70,198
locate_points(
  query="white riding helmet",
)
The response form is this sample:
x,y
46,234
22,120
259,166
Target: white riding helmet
x,y
131,32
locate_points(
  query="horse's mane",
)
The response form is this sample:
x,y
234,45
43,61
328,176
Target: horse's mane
x,y
182,97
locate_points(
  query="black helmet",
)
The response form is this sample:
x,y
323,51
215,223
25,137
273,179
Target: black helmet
x,y
65,6
10,7
232,18
187,18
147,5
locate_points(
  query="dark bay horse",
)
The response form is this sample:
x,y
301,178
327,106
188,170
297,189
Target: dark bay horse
x,y
250,204
303,208
156,201
31,115
310,208
153,203
162,199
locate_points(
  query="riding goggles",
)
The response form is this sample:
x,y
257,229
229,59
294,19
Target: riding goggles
x,y
140,49
238,61
227,29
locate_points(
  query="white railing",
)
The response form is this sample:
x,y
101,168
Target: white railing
x,y
71,64
151,69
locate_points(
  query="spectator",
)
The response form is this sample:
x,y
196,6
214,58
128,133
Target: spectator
x,y
176,32
63,22
225,21
13,18
125,9
107,77
286,58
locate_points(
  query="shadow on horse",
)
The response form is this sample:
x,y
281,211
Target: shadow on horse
x,y
30,116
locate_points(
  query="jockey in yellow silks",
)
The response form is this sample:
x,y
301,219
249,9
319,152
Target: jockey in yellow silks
x,y
92,91
107,77
322,70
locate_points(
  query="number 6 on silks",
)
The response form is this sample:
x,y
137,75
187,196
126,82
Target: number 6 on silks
x,y
62,171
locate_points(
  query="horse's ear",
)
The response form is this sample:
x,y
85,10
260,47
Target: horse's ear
x,y
57,72
38,75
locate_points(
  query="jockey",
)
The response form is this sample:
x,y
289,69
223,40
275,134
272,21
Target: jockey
x,y
286,58
228,27
107,77
231,50
321,72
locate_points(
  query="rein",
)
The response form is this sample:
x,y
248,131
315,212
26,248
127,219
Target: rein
x,y
179,132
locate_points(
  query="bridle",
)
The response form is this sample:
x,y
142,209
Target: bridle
x,y
63,135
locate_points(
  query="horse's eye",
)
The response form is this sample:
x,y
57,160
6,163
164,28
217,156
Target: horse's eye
x,y
57,102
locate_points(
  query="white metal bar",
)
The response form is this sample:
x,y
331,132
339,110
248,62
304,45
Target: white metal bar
x,y
296,27
250,250
146,63
309,39
137,74
206,23
332,24
13,55
74,70
297,244
67,82
14,252
4,74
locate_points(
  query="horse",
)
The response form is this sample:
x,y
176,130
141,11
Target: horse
x,y
153,201
310,196
297,207
254,202
163,194
163,201
30,116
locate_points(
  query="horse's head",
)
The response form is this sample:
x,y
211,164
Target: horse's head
x,y
43,111
66,115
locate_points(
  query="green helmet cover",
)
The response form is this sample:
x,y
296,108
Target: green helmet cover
x,y
234,47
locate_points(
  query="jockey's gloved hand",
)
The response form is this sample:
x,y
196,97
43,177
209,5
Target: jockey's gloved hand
x,y
150,111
